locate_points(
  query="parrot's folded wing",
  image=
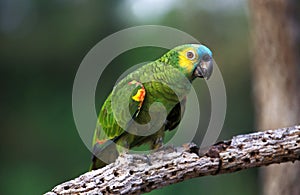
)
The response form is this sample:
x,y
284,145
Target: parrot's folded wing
x,y
121,106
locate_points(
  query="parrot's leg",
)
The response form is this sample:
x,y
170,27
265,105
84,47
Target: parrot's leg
x,y
158,139
123,145
157,145
158,142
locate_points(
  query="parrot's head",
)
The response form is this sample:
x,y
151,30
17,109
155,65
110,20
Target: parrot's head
x,y
194,60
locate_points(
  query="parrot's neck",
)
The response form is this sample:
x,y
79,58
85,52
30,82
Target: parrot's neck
x,y
172,59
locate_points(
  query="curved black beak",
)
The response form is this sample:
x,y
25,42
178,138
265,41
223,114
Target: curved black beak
x,y
204,69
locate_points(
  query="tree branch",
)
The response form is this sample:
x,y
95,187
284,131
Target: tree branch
x,y
132,173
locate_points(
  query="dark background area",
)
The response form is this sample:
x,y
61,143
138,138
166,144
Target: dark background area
x,y
42,44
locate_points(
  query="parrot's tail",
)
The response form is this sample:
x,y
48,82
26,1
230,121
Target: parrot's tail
x,y
104,154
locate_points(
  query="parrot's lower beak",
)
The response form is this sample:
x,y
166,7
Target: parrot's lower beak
x,y
204,69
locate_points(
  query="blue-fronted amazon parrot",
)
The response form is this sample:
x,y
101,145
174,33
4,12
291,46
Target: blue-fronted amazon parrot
x,y
127,119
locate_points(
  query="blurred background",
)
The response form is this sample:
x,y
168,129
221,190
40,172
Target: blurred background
x,y
42,44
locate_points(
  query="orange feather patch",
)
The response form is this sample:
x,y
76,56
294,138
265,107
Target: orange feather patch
x,y
139,96
101,141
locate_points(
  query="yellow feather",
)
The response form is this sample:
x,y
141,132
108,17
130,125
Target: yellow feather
x,y
139,96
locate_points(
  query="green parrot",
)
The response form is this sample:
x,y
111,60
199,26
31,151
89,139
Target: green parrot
x,y
148,102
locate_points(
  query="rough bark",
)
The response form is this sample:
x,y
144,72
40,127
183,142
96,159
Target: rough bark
x,y
276,80
135,174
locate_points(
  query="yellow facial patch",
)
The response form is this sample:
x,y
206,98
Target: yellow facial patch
x,y
185,62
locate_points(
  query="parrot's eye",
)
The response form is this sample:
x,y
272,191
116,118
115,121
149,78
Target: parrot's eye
x,y
190,55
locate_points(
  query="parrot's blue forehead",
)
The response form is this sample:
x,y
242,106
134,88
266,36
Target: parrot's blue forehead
x,y
202,50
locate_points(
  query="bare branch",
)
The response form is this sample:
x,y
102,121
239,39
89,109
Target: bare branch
x,y
133,174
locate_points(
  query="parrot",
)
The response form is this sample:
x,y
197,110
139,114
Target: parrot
x,y
148,102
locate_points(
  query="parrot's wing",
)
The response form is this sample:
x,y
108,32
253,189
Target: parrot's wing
x,y
121,106
125,99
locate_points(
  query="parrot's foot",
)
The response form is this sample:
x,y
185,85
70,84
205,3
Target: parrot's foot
x,y
148,159
169,148
144,158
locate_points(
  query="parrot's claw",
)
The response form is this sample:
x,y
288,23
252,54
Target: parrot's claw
x,y
148,160
141,158
169,148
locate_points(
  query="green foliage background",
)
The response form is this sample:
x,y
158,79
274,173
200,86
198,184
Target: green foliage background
x,y
42,44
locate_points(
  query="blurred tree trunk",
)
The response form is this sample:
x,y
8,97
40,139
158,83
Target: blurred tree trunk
x,y
275,31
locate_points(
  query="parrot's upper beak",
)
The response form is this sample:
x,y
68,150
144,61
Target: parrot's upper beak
x,y
204,69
